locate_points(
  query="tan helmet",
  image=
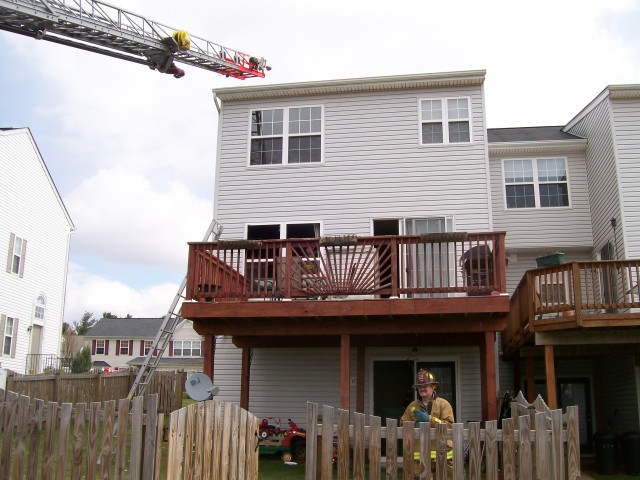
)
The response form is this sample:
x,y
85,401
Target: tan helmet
x,y
424,378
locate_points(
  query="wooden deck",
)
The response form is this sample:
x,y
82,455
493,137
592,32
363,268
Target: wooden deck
x,y
365,284
574,297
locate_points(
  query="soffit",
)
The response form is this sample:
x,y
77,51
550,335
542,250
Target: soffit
x,y
355,85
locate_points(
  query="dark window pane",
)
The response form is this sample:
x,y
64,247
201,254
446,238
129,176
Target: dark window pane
x,y
305,149
432,133
554,195
520,196
266,151
459,132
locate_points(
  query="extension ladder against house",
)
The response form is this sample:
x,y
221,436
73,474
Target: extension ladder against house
x,y
168,327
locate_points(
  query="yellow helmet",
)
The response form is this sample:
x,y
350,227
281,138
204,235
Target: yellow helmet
x,y
183,39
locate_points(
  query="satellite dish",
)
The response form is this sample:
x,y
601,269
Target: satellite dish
x,y
199,387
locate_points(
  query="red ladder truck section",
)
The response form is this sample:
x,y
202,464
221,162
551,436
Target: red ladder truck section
x,y
102,28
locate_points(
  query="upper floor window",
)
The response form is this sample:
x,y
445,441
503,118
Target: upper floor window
x,y
286,136
186,348
147,346
38,312
15,258
124,347
536,183
100,347
445,120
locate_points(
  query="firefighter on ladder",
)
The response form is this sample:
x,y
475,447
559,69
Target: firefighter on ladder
x,y
433,409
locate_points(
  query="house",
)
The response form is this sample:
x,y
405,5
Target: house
x,y
35,230
376,226
118,343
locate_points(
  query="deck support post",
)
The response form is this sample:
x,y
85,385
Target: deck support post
x,y
360,379
488,377
550,371
245,378
209,353
345,370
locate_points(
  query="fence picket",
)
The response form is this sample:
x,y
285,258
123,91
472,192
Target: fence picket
x,y
343,444
21,434
233,445
63,440
121,438
158,450
392,447
327,443
226,438
218,427
78,440
189,438
136,438
508,449
358,446
107,439
374,447
312,439
150,437
441,451
475,452
524,449
92,453
49,433
557,447
242,444
11,410
35,427
425,450
573,444
407,450
458,446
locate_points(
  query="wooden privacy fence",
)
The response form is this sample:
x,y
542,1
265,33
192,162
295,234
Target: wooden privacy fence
x,y
544,449
97,387
208,440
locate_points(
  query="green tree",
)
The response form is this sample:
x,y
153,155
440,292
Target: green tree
x,y
85,323
81,362
109,315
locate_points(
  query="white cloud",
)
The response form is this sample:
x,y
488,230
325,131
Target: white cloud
x,y
122,218
90,292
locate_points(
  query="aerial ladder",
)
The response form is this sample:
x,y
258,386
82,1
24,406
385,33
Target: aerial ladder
x,y
169,323
99,27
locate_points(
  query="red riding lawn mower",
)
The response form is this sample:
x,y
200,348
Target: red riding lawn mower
x,y
291,442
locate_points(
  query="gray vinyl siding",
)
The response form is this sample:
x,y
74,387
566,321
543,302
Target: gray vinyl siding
x,y
284,379
373,167
626,114
601,171
548,228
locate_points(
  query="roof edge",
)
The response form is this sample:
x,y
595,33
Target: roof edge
x,y
547,146
444,79
615,92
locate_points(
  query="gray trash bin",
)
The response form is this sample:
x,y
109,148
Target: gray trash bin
x,y
605,448
631,452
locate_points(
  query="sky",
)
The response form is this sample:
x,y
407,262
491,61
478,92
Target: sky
x,y
133,152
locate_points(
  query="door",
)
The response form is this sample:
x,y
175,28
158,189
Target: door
x,y
574,391
34,365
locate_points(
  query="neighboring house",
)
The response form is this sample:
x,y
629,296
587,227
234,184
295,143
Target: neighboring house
x,y
35,230
124,342
384,229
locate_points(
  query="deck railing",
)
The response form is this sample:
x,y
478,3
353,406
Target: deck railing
x,y
578,294
439,264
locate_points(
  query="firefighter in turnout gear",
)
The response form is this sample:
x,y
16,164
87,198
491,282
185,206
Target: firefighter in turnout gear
x,y
433,409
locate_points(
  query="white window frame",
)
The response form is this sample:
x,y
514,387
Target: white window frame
x,y
148,345
16,255
39,310
124,347
535,182
182,348
9,333
445,120
98,347
286,135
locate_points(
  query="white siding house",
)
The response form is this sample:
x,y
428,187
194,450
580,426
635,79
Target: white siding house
x,y
35,230
121,343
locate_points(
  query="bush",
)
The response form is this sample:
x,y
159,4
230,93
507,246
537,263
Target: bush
x,y
81,362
